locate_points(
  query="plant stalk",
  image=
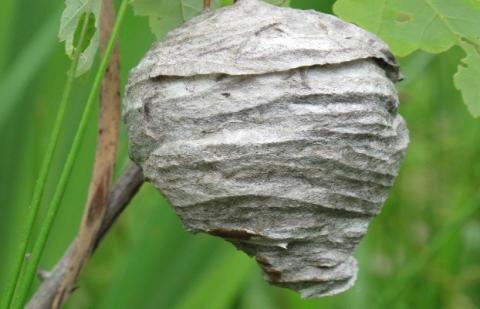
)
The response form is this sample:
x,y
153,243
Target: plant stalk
x,y
67,170
126,187
105,158
39,189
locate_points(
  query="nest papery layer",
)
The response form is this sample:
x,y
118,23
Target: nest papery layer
x,y
253,37
289,166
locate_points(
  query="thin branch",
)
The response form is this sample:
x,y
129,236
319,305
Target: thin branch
x,y
206,4
105,157
120,196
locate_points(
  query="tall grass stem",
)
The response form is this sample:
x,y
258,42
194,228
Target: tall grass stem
x,y
53,207
39,189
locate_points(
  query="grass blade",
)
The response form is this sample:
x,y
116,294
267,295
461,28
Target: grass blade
x,y
66,172
23,72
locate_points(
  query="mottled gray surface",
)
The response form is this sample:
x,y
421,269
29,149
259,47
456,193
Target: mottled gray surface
x,y
274,128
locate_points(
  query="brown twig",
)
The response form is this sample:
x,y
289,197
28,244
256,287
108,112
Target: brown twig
x,y
105,158
120,195
206,4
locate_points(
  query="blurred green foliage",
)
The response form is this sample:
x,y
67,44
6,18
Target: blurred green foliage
x,y
432,26
423,251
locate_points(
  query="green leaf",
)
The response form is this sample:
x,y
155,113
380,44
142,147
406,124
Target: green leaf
x,y
431,25
165,15
467,79
72,16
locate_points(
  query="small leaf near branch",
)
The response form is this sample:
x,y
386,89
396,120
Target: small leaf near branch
x,y
73,15
467,78
165,15
90,31
432,26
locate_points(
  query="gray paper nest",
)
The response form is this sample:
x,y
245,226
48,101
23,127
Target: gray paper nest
x,y
274,128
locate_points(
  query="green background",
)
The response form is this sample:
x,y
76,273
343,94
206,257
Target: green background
x,y
422,251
